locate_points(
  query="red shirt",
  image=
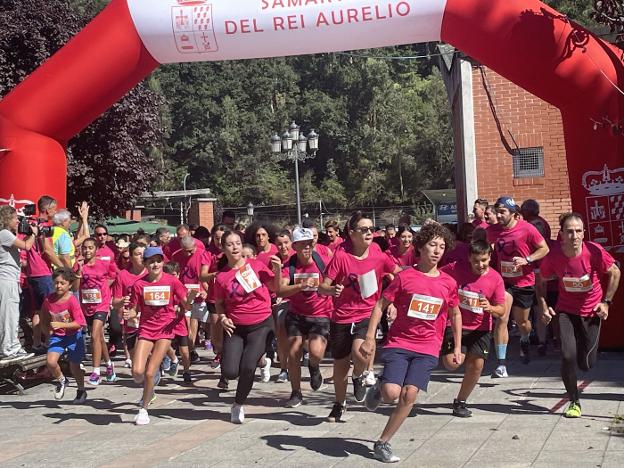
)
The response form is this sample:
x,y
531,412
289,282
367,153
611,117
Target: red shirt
x,y
519,241
308,303
122,287
156,301
470,287
190,269
361,280
578,277
422,304
409,258
67,311
95,293
243,307
36,265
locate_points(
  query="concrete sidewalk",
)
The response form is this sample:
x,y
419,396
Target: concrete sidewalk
x,y
517,422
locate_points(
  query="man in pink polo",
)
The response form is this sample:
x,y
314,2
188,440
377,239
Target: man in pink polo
x,y
478,210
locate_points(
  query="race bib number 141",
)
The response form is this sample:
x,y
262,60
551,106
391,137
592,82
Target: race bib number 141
x,y
424,307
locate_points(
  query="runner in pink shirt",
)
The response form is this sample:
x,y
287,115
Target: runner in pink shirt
x,y
156,295
392,235
517,245
308,312
332,229
478,210
404,254
262,237
481,294
243,302
321,249
95,277
174,244
582,305
424,297
356,271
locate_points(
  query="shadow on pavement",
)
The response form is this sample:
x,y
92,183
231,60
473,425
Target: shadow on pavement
x,y
327,446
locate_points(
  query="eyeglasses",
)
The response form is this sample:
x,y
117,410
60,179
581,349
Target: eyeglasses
x,y
365,229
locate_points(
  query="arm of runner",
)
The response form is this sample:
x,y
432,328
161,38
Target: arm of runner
x,y
276,268
539,253
326,288
496,310
602,309
224,320
456,323
540,291
368,347
206,275
287,290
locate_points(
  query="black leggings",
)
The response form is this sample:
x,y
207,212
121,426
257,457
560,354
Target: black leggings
x,y
115,332
241,353
579,346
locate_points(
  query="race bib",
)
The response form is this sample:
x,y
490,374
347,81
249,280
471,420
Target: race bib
x,y
192,287
106,258
63,316
582,284
157,295
508,270
313,280
469,300
424,307
248,279
91,296
368,284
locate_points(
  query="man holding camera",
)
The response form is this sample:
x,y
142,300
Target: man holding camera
x,y
10,267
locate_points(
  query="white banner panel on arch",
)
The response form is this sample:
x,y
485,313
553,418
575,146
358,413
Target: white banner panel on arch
x,y
202,30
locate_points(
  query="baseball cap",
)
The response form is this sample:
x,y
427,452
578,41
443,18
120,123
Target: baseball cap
x,y
152,251
302,234
507,202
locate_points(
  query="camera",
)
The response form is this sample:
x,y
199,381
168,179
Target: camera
x,y
26,222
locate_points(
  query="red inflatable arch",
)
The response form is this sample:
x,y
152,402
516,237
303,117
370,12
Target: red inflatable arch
x,y
524,40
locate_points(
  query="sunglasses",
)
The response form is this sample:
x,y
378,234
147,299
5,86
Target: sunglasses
x,y
100,234
365,229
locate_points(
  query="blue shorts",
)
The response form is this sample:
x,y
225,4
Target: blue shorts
x,y
41,286
73,344
403,367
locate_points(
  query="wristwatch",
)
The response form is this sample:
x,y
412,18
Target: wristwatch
x,y
528,260
607,301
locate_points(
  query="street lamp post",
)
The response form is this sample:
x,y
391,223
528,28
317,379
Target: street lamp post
x,y
293,145
250,211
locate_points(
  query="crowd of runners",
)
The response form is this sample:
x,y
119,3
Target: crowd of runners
x,y
257,296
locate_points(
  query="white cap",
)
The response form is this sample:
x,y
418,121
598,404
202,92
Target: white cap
x,y
302,234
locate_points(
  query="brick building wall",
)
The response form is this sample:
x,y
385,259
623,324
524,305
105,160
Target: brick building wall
x,y
532,123
201,213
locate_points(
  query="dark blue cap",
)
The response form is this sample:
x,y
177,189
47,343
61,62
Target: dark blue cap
x,y
151,251
507,202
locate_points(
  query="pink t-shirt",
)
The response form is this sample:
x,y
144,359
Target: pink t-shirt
x,y
213,269
245,296
394,241
409,258
174,245
361,280
123,287
480,223
265,257
190,269
105,253
470,287
323,251
67,311
333,245
422,304
157,300
308,303
578,277
95,293
37,266
520,241
459,253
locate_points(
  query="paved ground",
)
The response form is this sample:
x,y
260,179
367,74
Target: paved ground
x,y
517,422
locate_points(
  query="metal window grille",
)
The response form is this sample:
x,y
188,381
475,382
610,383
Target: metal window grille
x,y
528,162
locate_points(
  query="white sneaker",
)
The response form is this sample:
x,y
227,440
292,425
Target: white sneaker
x,y
265,371
238,414
128,364
370,379
142,418
500,372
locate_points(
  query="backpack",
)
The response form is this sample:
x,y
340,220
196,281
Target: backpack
x,y
292,263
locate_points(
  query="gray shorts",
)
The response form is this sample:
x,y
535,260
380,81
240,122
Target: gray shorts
x,y
200,312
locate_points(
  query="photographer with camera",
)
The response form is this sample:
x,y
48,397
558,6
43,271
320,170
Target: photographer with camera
x,y
10,267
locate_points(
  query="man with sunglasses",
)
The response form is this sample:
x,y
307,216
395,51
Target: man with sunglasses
x,y
518,245
106,251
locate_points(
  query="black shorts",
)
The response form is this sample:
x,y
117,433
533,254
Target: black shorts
x,y
523,297
103,316
301,325
181,340
212,308
475,342
341,336
130,339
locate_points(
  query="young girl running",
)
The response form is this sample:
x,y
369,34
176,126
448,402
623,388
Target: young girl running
x,y
95,277
243,302
156,295
61,312
423,295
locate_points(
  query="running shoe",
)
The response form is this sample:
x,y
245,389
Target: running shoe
x,y
383,452
573,411
370,379
194,357
186,376
95,379
337,412
40,349
373,397
112,350
223,383
238,414
81,397
156,379
19,356
265,371
166,364
305,359
152,400
207,345
173,368
524,352
316,378
216,362
541,350
359,389
460,410
110,373
128,363
296,398
500,372
59,389
282,376
142,418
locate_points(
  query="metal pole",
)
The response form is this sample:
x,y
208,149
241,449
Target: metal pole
x,y
321,211
296,153
181,212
